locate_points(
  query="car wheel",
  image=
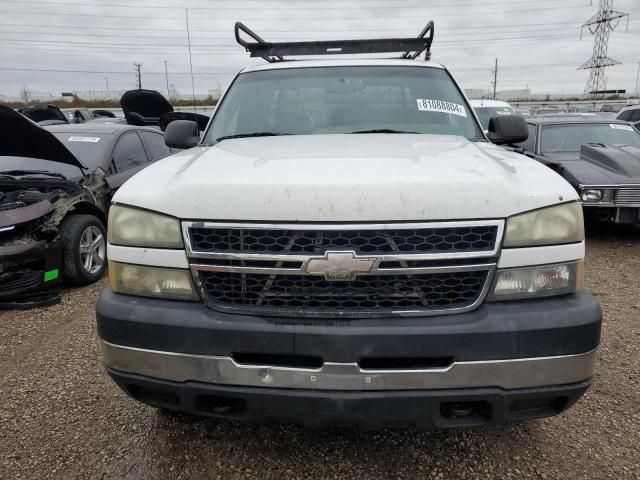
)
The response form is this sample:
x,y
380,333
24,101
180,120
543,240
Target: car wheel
x,y
84,241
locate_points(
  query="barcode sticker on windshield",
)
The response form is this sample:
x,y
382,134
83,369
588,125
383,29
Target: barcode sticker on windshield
x,y
619,126
441,106
84,139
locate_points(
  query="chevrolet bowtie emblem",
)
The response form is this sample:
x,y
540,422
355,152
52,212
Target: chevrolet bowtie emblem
x,y
340,266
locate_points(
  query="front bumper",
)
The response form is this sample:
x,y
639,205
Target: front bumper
x,y
22,274
428,409
614,214
162,351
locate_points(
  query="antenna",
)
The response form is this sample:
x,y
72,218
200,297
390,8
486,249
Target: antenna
x,y
600,26
193,88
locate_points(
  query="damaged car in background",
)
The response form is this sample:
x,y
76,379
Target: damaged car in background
x,y
56,184
599,157
44,114
150,108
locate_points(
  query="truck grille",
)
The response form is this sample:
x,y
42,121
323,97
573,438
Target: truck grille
x,y
355,270
307,294
370,241
628,196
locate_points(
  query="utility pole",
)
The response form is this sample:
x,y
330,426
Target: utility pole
x,y
638,77
495,79
106,79
138,74
166,76
600,26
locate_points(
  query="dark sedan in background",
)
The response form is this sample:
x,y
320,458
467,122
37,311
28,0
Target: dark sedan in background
x,y
56,184
599,157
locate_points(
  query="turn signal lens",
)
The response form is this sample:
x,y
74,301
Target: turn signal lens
x,y
542,281
174,283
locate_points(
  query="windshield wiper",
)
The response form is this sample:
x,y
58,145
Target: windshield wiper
x,y
383,130
21,173
248,135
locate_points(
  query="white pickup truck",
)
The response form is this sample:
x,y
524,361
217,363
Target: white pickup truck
x,y
344,244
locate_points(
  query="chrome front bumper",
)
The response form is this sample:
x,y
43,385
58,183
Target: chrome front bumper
x,y
222,370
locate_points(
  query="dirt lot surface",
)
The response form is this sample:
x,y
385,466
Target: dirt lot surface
x,y
61,417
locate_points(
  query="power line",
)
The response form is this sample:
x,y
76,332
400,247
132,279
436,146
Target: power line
x,y
229,37
227,31
229,46
385,18
110,72
287,7
232,72
220,51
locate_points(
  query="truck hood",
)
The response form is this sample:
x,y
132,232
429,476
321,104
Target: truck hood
x,y
600,165
21,137
366,177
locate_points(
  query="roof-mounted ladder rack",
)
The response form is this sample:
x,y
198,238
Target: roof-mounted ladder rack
x,y
275,51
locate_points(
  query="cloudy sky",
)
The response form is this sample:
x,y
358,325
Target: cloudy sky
x,y
67,45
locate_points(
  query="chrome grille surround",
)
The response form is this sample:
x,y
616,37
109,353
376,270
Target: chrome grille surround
x,y
408,268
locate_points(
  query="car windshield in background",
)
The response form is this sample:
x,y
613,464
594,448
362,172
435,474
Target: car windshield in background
x,y
89,148
612,108
571,137
325,100
485,114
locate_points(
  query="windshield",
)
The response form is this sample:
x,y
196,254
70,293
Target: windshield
x,y
324,100
89,148
612,108
569,138
485,114
582,109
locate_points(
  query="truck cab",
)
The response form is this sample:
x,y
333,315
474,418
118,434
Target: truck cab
x,y
344,244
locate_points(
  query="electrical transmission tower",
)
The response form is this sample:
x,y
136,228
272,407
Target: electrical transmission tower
x,y
600,26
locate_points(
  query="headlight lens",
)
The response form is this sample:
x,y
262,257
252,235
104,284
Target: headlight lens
x,y
541,281
140,228
547,226
147,281
591,195
597,195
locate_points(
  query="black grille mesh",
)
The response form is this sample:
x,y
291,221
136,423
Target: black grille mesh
x,y
416,240
301,294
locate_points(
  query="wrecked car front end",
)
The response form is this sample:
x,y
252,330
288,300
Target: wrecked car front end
x,y
41,181
30,256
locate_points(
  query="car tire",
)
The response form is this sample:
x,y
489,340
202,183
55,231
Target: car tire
x,y
84,242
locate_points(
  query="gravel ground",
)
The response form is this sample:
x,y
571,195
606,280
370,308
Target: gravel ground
x,y
61,417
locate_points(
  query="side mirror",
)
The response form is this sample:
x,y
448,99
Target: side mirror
x,y
182,134
505,129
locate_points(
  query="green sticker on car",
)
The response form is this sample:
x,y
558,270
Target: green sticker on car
x,y
51,275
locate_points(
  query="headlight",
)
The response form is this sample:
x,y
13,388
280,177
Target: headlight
x,y
174,283
597,195
591,195
547,226
541,281
140,228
